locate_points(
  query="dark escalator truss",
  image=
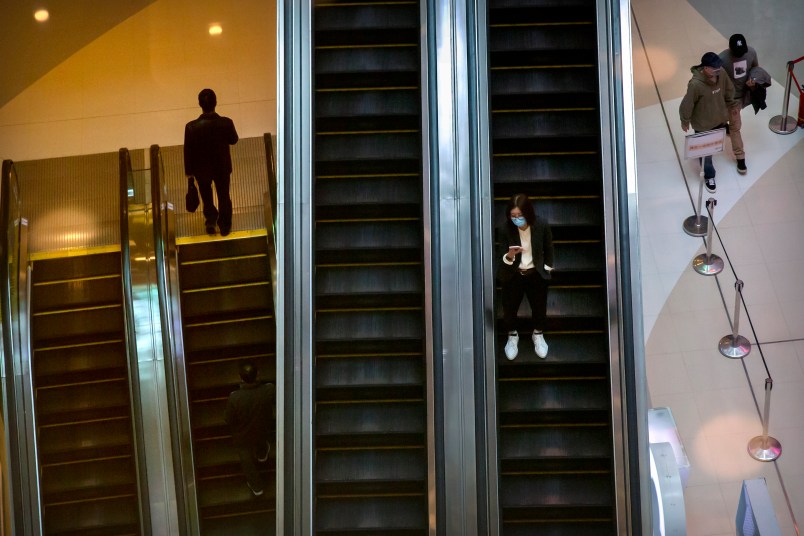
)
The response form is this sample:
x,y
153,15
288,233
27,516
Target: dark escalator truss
x,y
85,447
554,415
370,387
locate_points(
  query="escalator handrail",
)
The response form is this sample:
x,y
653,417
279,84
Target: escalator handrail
x,y
131,345
269,207
173,348
18,466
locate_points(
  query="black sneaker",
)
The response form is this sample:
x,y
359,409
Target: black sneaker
x,y
711,187
211,230
741,169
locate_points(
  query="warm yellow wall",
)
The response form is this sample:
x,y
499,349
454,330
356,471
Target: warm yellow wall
x,y
138,83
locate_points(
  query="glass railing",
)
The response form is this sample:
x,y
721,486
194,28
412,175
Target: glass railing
x,y
19,467
169,313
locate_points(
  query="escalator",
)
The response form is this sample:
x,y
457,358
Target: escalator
x,y
85,446
554,415
370,434
227,317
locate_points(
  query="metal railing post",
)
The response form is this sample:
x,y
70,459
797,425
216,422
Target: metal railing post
x,y
784,124
734,345
697,224
708,263
765,448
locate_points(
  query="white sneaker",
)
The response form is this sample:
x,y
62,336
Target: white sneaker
x,y
512,346
540,345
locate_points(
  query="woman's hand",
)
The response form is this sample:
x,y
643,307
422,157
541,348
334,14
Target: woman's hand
x,y
513,251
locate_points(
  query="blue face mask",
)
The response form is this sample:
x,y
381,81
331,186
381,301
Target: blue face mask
x,y
519,222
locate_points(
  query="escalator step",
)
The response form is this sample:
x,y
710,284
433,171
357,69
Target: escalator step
x,y
76,403
401,423
394,516
386,471
545,124
227,302
369,286
115,516
368,110
571,354
370,67
51,365
261,521
218,250
531,87
569,496
228,271
379,325
395,193
87,440
218,338
77,326
561,528
230,495
76,268
76,293
553,448
359,23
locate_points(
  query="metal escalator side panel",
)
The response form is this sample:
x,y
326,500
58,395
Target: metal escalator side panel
x,y
20,489
169,296
628,370
128,272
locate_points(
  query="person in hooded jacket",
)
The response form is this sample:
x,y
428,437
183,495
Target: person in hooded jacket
x,y
706,104
738,61
249,413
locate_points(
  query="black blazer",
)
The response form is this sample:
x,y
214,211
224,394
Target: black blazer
x,y
206,146
541,245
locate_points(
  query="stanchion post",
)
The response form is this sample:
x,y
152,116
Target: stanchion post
x,y
697,224
765,448
784,124
708,263
735,346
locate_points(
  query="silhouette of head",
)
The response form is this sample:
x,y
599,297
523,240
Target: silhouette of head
x,y
207,100
248,371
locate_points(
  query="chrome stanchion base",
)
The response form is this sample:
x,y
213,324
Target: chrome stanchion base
x,y
692,228
734,348
711,266
775,124
764,448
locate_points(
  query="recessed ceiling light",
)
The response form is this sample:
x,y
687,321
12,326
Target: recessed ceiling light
x,y
41,15
215,29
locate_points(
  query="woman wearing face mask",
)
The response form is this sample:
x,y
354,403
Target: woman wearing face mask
x,y
526,262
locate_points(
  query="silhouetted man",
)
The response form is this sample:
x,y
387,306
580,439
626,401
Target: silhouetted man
x,y
206,157
248,413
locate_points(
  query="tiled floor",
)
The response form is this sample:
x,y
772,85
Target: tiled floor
x,y
716,401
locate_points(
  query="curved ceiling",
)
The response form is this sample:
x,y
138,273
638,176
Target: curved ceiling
x,y
29,49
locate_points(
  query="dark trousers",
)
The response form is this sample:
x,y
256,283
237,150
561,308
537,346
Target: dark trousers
x,y
248,462
222,216
534,287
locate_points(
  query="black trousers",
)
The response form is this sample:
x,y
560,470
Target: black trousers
x,y
534,287
222,216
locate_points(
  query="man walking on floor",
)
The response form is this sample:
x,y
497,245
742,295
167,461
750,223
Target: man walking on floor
x,y
738,60
706,105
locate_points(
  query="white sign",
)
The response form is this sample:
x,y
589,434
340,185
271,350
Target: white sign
x,y
704,143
